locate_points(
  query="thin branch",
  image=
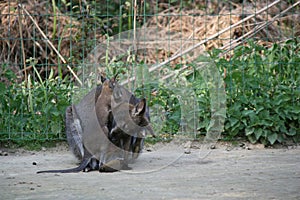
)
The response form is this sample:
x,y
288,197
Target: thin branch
x,y
251,33
49,42
134,34
213,36
22,44
134,25
241,39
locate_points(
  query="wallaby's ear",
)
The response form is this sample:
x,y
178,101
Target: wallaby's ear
x,y
113,82
140,108
115,77
103,79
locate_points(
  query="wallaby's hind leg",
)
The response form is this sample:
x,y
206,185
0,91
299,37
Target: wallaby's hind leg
x,y
113,166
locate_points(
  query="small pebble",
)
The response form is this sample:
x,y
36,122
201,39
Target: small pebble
x,y
242,145
3,153
187,151
34,163
290,147
229,148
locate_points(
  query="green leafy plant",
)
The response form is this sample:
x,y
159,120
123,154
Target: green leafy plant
x,y
263,92
34,109
262,89
169,112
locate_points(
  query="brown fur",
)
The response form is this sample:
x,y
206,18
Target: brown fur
x,y
103,104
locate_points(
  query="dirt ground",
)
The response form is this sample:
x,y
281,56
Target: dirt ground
x,y
163,172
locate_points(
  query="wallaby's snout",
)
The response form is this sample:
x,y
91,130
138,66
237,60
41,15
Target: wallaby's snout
x,y
149,130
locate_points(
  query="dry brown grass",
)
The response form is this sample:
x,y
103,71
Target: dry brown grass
x,y
17,30
180,28
193,25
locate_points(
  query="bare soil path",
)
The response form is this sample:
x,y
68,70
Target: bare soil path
x,y
164,173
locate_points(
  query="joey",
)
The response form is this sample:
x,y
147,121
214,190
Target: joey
x,y
122,95
103,104
130,123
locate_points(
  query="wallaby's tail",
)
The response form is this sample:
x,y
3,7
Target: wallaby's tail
x,y
81,167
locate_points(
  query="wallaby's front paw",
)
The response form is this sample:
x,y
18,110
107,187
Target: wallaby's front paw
x,y
126,167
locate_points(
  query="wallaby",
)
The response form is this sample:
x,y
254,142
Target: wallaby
x,y
79,124
128,119
93,143
130,123
103,103
121,94
73,125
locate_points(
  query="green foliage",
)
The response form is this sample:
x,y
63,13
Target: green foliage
x,y
263,93
33,109
166,106
108,17
262,89
203,101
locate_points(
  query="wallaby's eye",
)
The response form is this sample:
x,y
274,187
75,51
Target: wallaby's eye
x,y
112,84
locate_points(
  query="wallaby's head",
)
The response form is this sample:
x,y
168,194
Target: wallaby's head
x,y
131,119
138,115
108,85
106,88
